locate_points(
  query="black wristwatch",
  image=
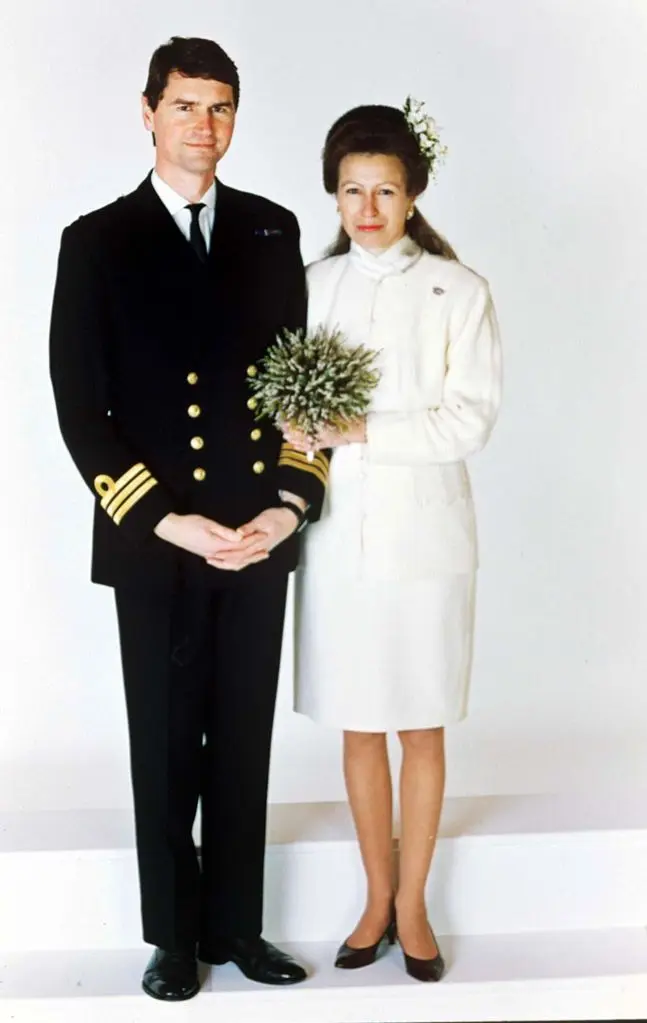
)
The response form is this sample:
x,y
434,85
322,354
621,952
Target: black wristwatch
x,y
302,518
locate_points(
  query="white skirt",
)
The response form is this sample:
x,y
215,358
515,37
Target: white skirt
x,y
382,656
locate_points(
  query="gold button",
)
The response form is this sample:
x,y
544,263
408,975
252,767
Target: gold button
x,y
194,411
252,403
197,443
251,371
258,467
192,378
199,474
256,435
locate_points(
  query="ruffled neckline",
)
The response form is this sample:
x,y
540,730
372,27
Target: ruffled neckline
x,y
395,260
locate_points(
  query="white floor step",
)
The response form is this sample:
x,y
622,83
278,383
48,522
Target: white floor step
x,y
504,865
560,976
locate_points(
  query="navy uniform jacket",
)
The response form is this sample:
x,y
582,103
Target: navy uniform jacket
x,y
150,355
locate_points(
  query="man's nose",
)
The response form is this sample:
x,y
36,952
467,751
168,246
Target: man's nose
x,y
203,123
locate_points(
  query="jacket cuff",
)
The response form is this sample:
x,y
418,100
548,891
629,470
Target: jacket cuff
x,y
135,502
307,479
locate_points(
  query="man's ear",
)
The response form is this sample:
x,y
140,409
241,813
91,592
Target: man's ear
x,y
147,117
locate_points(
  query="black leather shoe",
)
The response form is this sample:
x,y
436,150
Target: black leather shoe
x,y
256,958
350,958
171,976
425,969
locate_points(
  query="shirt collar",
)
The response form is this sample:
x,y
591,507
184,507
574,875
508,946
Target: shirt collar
x,y
175,202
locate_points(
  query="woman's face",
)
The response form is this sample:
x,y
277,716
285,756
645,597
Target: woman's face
x,y
372,199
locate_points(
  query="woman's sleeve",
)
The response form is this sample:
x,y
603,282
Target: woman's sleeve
x,y
462,423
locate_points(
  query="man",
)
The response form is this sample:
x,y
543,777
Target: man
x,y
164,302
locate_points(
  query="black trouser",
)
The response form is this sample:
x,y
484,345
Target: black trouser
x,y
201,670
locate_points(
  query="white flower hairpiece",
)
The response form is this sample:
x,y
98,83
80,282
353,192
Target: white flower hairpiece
x,y
426,132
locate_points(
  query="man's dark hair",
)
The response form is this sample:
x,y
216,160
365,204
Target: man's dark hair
x,y
193,58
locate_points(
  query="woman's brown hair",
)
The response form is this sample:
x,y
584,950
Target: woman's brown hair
x,y
381,129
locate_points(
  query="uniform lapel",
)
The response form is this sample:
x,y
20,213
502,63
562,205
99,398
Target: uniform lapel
x,y
156,236
222,278
226,264
168,284
224,251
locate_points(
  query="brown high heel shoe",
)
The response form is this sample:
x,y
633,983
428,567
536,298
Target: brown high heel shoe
x,y
349,958
425,969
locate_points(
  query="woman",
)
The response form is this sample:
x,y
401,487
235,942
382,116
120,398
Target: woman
x,y
385,606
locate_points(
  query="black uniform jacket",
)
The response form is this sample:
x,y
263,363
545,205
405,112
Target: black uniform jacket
x,y
151,353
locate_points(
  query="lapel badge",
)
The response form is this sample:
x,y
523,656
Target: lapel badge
x,y
267,232
439,291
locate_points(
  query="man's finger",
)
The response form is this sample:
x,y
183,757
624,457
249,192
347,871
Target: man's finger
x,y
263,556
224,533
235,557
248,548
229,565
249,540
242,547
261,546
216,545
248,529
215,563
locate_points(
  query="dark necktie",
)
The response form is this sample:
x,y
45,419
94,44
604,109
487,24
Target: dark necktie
x,y
196,236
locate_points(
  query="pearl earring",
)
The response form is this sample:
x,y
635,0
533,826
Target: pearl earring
x,y
411,212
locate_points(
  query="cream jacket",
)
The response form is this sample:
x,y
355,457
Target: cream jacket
x,y
434,324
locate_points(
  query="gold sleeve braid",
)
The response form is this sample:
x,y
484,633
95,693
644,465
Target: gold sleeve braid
x,y
118,497
319,465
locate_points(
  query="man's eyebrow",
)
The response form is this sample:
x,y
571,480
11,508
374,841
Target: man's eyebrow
x,y
179,102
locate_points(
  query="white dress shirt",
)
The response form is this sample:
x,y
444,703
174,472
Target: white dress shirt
x,y
176,205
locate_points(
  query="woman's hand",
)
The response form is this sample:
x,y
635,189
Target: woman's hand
x,y
328,437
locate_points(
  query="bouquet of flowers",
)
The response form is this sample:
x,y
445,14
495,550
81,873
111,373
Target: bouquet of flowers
x,y
314,379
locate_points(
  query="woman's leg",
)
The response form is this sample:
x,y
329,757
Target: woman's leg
x,y
368,783
422,784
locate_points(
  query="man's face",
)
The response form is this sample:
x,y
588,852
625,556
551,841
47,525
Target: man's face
x,y
193,123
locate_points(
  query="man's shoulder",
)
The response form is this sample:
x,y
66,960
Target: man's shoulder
x,y
117,216
105,219
258,207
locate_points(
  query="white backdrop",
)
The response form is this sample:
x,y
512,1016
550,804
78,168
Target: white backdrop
x,y
543,108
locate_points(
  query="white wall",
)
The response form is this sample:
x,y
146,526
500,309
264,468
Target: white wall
x,y
543,106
